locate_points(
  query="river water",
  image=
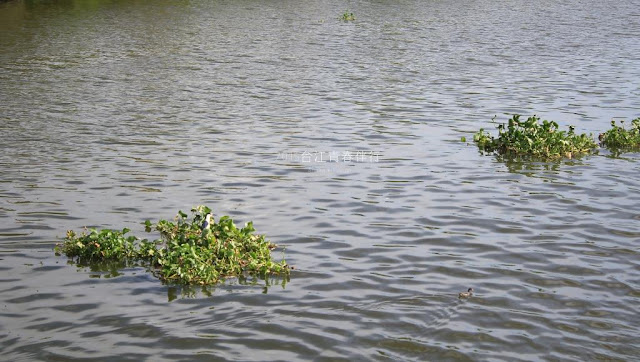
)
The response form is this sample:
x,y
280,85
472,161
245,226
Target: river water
x,y
342,142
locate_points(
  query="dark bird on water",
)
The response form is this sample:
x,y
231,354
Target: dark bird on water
x,y
466,294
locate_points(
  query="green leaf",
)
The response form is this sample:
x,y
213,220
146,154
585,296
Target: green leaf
x,y
147,226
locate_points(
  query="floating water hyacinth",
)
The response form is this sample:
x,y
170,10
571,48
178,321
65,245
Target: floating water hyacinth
x,y
618,139
348,16
534,139
194,250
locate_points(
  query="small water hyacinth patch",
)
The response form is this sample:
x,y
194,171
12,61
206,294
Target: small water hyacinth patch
x,y
348,16
535,139
93,245
192,250
618,139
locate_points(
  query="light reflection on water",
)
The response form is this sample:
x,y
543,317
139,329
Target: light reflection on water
x,y
117,112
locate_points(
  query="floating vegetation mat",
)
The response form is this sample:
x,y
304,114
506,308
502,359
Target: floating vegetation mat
x,y
544,140
193,250
532,138
348,16
619,139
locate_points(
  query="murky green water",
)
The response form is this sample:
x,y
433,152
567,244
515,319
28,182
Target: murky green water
x,y
113,112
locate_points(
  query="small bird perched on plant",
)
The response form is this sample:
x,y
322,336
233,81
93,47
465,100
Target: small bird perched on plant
x,y
207,222
206,226
466,294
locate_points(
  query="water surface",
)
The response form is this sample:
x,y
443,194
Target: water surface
x,y
113,112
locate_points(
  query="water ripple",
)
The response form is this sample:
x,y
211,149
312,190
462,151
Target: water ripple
x,y
192,106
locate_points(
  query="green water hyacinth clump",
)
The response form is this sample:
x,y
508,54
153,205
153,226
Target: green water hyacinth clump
x,y
532,138
618,139
99,245
348,16
191,251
